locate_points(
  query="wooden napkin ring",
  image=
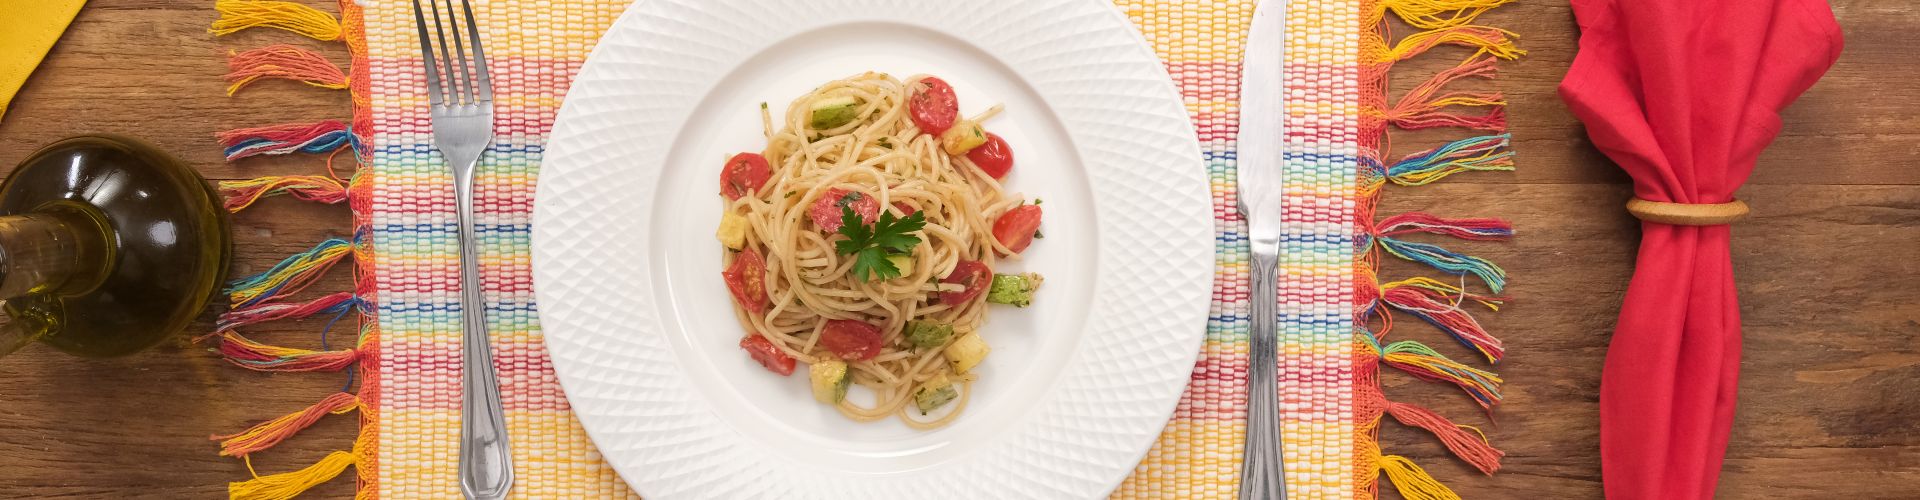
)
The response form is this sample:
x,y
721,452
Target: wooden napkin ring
x,y
1683,214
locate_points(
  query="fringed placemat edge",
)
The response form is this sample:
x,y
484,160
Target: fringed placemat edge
x,y
266,296
1438,303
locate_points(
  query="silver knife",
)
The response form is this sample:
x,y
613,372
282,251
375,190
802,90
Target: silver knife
x,y
1263,117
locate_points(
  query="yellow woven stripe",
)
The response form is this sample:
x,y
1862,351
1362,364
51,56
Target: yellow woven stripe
x,y
506,28
417,461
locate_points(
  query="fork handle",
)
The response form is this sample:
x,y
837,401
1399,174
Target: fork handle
x,y
1263,472
486,463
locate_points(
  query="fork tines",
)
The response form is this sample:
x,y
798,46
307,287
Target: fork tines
x,y
465,80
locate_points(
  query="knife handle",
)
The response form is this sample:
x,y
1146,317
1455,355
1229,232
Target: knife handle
x,y
1263,472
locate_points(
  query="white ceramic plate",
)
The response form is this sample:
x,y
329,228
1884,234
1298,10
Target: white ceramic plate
x,y
640,327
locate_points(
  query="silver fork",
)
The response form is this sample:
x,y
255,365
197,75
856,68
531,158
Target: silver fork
x,y
461,96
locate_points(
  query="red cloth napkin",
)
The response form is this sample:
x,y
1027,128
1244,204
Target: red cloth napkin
x,y
1684,94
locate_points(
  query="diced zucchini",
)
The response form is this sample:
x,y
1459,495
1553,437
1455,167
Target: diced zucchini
x,y
902,262
934,394
1014,289
963,136
733,231
928,334
966,352
830,380
834,111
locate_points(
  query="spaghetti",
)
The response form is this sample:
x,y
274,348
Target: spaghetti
x,y
862,241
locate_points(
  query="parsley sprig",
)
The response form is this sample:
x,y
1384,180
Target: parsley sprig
x,y
870,245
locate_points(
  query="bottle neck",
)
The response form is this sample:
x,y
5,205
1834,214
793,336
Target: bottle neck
x,y
43,253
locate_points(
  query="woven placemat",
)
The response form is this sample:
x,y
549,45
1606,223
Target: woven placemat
x,y
1332,306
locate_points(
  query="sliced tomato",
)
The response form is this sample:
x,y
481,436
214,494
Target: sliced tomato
x,y
744,174
773,358
972,276
747,279
994,157
826,210
851,340
1015,228
932,105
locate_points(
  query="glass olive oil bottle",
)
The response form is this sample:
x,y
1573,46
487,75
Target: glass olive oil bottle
x,y
107,247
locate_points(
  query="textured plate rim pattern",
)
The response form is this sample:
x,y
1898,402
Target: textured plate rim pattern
x,y
1154,267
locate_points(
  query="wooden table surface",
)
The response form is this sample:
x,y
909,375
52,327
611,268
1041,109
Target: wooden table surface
x,y
1829,406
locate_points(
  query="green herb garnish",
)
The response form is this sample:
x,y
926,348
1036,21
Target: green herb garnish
x,y
871,244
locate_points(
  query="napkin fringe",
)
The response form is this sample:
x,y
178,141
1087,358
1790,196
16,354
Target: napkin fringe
x,y
266,296
320,137
1432,103
282,62
237,15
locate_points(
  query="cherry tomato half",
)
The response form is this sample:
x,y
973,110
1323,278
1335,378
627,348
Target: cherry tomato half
x,y
747,279
763,351
973,276
743,175
994,157
826,210
851,340
1015,228
932,105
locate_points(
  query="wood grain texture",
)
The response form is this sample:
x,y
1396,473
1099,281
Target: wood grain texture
x,y
1828,407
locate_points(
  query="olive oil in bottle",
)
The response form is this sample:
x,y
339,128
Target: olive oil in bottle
x,y
107,247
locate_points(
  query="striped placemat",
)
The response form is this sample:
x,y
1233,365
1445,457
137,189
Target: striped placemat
x,y
1334,309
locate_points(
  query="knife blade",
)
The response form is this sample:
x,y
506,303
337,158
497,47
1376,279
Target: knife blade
x,y
1259,167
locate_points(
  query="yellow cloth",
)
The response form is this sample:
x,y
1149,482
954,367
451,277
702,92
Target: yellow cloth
x,y
27,30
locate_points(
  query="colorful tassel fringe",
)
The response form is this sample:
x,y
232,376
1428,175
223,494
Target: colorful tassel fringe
x,y
1424,363
1413,482
317,188
313,138
1436,303
1430,104
236,15
269,433
1433,14
1485,153
282,62
1447,260
264,311
289,276
246,353
1470,447
1493,42
1425,106
1479,229
287,485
